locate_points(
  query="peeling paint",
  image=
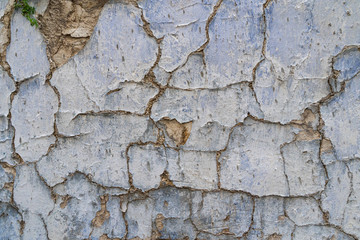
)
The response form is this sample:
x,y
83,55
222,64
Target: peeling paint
x,y
124,119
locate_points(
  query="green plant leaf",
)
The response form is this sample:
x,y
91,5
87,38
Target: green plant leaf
x,y
27,11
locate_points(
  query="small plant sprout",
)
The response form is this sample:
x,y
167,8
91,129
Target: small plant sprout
x,y
27,11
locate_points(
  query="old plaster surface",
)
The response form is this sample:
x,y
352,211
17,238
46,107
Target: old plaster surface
x,y
192,119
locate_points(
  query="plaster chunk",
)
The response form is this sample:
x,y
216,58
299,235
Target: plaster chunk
x,y
131,97
341,117
161,76
211,136
309,34
256,168
192,75
30,193
194,169
4,124
78,212
7,86
269,221
34,226
5,178
139,218
347,63
172,209
3,5
127,54
303,211
114,227
284,100
181,24
10,218
303,167
98,149
208,110
33,118
207,105
208,236
319,232
220,212
40,5
236,39
351,223
26,53
6,146
177,229
172,202
337,191
118,51
146,164
327,152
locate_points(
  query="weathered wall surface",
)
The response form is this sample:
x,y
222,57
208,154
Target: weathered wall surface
x,y
191,119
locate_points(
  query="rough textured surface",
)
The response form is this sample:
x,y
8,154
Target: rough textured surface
x,y
33,109
27,51
214,120
67,26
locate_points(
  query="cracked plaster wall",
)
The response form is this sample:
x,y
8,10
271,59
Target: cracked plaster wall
x,y
192,119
